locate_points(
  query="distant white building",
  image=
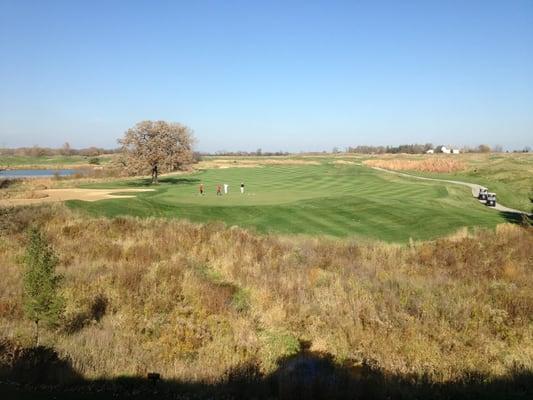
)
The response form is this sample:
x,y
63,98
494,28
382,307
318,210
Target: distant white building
x,y
430,151
445,150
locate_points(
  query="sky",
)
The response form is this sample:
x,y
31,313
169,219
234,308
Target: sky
x,y
287,75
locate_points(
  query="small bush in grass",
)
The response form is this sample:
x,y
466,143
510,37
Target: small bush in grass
x,y
241,300
278,344
42,301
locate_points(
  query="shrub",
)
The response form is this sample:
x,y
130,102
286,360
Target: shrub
x,y
42,302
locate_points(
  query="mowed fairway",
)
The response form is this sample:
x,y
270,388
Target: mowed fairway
x,y
327,199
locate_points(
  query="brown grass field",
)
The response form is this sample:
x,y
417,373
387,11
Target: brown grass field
x,y
195,301
435,164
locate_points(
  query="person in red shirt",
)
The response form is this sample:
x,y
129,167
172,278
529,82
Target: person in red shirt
x,y
219,190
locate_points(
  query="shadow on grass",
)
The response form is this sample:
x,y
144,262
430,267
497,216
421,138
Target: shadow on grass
x,y
517,218
8,182
169,180
39,373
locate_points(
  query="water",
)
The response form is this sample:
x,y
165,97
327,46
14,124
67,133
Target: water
x,y
36,173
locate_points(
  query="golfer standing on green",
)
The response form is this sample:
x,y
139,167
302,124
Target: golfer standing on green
x,y
242,188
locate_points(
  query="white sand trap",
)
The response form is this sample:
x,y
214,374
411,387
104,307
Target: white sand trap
x,y
52,195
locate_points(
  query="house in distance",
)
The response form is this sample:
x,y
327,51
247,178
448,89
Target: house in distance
x,y
443,149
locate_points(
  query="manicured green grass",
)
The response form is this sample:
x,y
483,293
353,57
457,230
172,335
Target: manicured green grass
x,y
338,200
510,176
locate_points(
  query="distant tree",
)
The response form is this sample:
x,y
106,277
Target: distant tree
x,y
156,147
37,151
483,148
91,152
42,301
498,148
196,157
66,150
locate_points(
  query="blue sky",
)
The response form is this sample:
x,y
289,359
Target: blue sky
x,y
276,75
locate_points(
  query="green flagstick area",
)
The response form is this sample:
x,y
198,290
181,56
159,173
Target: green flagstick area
x,y
325,199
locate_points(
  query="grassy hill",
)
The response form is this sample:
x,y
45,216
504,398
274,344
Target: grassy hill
x,y
203,305
325,199
509,175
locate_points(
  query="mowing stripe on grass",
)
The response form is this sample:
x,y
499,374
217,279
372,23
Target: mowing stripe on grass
x,y
310,199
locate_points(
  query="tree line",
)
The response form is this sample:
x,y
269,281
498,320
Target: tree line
x,y
422,148
403,148
156,147
65,150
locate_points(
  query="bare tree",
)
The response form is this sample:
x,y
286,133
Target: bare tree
x,y
157,147
66,150
483,148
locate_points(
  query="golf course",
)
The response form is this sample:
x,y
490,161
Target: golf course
x,y
323,198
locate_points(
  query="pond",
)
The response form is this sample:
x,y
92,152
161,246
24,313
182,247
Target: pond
x,y
35,173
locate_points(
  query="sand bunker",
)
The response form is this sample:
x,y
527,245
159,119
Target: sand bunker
x,y
52,195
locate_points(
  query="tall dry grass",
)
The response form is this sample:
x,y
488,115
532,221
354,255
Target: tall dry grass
x,y
432,164
194,301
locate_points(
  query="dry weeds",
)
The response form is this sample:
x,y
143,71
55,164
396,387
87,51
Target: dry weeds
x,y
192,301
433,164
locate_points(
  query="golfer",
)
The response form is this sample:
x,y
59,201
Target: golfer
x,y
226,186
219,190
242,188
201,189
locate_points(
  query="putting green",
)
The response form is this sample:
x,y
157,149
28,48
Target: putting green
x,y
338,200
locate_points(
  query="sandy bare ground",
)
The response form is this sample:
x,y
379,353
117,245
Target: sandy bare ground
x,y
344,162
53,195
473,186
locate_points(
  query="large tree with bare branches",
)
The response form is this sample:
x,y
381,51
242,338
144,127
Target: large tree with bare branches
x,y
157,147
